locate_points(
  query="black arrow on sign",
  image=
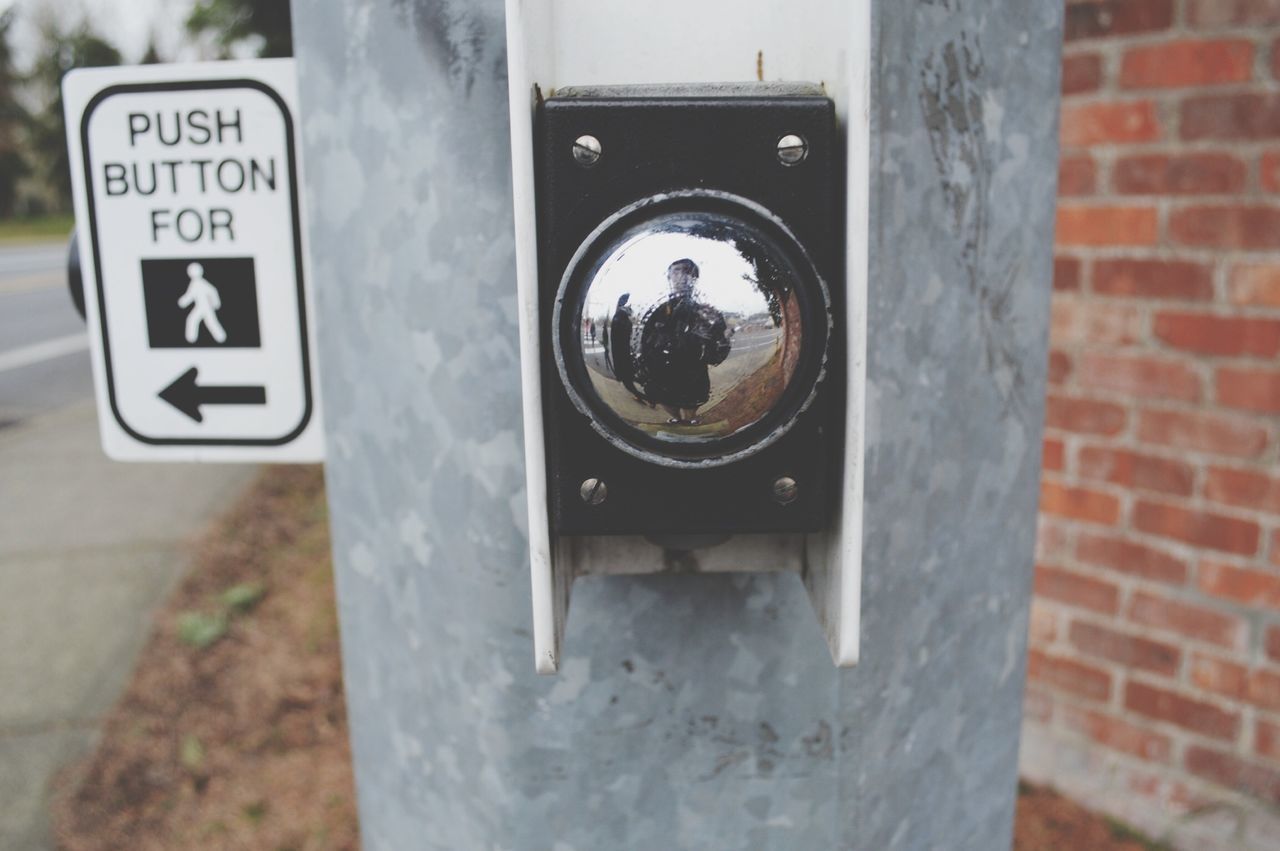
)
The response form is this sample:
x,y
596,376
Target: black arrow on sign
x,y
187,396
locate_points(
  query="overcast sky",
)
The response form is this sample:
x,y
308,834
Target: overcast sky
x,y
128,24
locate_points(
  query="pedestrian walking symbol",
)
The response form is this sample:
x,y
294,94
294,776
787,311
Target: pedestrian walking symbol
x,y
202,302
203,299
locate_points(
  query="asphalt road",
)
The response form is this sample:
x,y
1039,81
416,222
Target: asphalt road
x,y
44,361
88,547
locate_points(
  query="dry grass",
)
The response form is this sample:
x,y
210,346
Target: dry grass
x,y
232,734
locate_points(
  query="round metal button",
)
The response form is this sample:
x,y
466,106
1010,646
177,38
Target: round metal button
x,y
687,333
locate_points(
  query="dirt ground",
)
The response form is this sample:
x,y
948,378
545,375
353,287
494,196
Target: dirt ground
x,y
1046,821
232,733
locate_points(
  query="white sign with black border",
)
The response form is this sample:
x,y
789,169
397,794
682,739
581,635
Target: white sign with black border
x,y
192,247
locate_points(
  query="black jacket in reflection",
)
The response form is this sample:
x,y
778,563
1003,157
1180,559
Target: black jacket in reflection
x,y
680,339
617,346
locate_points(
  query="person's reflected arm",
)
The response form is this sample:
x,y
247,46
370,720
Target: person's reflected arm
x,y
718,343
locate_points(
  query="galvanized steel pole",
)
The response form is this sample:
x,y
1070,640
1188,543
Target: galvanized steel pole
x,y
690,711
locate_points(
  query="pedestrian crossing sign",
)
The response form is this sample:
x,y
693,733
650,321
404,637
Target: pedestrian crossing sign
x,y
187,186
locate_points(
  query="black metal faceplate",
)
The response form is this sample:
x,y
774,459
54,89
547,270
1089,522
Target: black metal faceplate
x,y
656,143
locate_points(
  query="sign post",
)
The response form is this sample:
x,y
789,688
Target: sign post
x,y
186,182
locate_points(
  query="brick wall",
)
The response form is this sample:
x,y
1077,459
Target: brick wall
x,y
1155,634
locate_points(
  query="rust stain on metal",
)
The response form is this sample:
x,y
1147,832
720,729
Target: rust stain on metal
x,y
760,66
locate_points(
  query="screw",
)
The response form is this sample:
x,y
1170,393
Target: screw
x,y
792,149
785,490
593,491
586,150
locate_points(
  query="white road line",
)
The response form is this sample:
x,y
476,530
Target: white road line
x,y
33,283
47,350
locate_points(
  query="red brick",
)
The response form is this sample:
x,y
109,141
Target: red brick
x,y
1077,176
1245,488
1119,735
1255,285
1199,528
1054,457
1101,18
1186,619
1269,164
1219,676
1264,689
1086,416
1079,321
1172,279
1174,64
1066,274
1081,72
1107,226
1228,336
1132,651
1248,228
1083,504
1249,389
1234,116
1266,740
1232,772
1275,547
1203,432
1109,122
1043,627
1065,586
1147,785
1126,556
1059,366
1211,13
1254,588
1162,789
1272,643
1194,715
1133,470
1139,376
1068,675
1189,174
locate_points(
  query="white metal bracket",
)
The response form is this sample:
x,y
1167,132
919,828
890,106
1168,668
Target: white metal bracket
x,y
557,43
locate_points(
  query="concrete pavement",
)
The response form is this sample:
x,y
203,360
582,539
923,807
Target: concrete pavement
x,y
88,547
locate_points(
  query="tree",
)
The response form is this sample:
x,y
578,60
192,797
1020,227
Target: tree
x,y
152,56
13,118
232,23
59,52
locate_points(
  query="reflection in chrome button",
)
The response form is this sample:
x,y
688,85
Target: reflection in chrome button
x,y
690,328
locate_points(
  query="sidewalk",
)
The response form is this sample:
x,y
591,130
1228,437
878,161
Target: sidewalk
x,y
88,548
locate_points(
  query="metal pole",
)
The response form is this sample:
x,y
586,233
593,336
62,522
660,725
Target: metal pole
x,y
690,711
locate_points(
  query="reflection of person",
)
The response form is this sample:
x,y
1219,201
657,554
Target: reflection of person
x,y
617,349
203,299
680,339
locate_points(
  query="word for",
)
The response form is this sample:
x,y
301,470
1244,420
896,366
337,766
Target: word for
x,y
192,225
